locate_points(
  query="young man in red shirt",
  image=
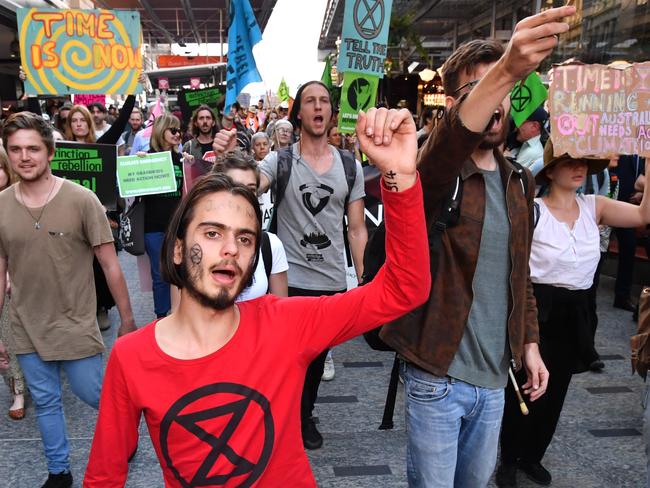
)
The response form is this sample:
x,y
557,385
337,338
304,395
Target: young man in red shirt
x,y
219,383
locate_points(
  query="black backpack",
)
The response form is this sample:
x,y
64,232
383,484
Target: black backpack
x,y
375,255
285,163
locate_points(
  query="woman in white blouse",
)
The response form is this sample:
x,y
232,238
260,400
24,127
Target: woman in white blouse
x,y
564,255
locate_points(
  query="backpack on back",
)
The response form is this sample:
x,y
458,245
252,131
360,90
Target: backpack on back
x,y
640,343
285,163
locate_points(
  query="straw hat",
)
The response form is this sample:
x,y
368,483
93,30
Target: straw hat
x,y
593,165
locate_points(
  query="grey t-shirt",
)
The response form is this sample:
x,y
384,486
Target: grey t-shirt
x,y
310,218
483,355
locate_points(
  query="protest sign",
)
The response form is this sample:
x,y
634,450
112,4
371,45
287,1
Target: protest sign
x,y
80,99
365,36
90,165
80,51
146,175
192,171
189,100
601,111
163,83
195,83
358,93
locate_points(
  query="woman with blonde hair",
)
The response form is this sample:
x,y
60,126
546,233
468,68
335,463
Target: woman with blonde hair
x,y
166,135
13,377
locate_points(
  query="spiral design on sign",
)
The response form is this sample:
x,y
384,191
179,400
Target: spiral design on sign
x,y
86,64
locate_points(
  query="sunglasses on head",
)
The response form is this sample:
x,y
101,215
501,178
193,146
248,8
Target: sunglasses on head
x,y
174,131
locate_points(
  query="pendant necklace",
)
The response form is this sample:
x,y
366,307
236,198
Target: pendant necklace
x,y
37,221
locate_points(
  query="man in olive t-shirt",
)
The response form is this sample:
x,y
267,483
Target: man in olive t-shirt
x,y
50,229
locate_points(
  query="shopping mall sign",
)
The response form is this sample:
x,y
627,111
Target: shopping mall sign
x,y
599,110
365,36
80,51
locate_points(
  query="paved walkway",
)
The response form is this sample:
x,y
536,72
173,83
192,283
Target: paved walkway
x,y
598,442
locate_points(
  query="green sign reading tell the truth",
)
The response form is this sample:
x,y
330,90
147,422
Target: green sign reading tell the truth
x,y
147,175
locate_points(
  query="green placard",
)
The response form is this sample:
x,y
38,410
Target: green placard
x,y
358,93
90,165
147,175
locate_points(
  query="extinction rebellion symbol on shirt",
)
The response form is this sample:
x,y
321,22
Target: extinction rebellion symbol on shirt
x,y
211,427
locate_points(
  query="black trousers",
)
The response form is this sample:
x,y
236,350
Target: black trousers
x,y
592,295
315,369
563,317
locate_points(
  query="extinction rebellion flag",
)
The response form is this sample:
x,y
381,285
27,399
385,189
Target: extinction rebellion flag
x,y
525,97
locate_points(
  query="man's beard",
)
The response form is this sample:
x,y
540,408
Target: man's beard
x,y
205,129
194,274
492,141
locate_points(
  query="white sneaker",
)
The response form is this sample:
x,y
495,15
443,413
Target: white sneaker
x,y
328,372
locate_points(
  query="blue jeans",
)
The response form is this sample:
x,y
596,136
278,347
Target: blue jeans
x,y
43,379
452,430
162,304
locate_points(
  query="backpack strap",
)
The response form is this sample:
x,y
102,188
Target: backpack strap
x,y
447,218
350,169
523,177
283,173
389,406
267,255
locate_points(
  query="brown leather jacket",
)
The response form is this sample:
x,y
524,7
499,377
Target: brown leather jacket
x,y
431,343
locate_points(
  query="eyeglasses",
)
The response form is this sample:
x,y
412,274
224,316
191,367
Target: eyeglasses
x,y
174,131
469,84
284,131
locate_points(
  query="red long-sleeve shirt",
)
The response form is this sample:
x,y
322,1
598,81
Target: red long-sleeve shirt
x,y
232,418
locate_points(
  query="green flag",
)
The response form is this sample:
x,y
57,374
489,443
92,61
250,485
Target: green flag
x,y
283,90
326,78
525,97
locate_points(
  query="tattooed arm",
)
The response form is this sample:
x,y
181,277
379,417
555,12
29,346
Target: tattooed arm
x,y
387,137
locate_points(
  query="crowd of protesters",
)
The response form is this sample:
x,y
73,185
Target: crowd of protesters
x,y
517,298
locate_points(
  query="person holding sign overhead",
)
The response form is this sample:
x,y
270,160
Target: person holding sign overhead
x,y
480,317
563,260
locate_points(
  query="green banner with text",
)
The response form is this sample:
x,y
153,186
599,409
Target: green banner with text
x,y
146,175
358,93
90,165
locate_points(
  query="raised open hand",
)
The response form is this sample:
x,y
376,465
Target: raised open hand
x,y
388,138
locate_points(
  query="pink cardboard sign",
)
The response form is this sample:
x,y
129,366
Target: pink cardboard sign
x,y
88,99
195,83
599,110
163,83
